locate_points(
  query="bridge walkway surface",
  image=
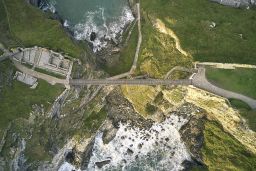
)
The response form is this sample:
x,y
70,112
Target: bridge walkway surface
x,y
198,80
129,82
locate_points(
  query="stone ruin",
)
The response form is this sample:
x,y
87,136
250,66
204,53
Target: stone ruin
x,y
26,79
44,59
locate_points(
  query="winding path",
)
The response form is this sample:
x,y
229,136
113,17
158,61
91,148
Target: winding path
x,y
136,57
200,81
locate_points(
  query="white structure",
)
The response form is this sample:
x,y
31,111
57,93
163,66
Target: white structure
x,y
44,59
26,79
236,3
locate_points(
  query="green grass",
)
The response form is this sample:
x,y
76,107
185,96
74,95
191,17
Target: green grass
x,y
221,151
242,81
158,52
94,120
5,37
246,112
16,98
31,27
238,104
50,73
190,20
250,116
126,56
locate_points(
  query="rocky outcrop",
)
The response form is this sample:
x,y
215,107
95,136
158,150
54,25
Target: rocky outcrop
x,y
192,135
121,110
35,2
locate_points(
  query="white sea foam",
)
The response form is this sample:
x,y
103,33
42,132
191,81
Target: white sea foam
x,y
105,31
159,148
67,167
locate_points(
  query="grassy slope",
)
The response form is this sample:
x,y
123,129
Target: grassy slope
x,y
158,53
5,36
126,56
246,112
16,100
222,152
190,20
239,80
32,27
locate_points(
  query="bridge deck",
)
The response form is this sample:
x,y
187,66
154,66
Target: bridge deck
x,y
130,82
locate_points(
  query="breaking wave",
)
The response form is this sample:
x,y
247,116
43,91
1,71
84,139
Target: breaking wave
x,y
157,148
105,31
106,27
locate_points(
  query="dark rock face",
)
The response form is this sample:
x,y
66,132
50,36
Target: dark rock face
x,y
87,155
129,151
70,156
93,36
192,135
102,163
121,110
35,2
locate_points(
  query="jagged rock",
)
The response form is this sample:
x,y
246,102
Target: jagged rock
x,y
70,156
192,135
121,110
102,163
93,36
35,2
129,151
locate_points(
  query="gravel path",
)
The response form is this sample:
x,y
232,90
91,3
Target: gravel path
x,y
200,81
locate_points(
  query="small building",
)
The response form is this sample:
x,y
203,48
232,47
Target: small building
x,y
26,79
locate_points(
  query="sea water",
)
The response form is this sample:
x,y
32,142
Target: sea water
x,y
106,18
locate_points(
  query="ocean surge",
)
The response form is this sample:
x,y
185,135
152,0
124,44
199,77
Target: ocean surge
x,y
105,31
157,148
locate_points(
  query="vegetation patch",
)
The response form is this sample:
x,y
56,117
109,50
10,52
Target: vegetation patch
x,y
126,56
93,122
29,26
158,53
246,112
140,97
239,80
151,109
232,40
221,151
174,96
50,73
16,98
6,37
238,104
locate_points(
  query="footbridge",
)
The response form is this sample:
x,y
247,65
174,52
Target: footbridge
x,y
80,82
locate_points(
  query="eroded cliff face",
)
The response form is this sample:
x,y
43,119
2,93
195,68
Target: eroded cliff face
x,y
119,129
132,132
